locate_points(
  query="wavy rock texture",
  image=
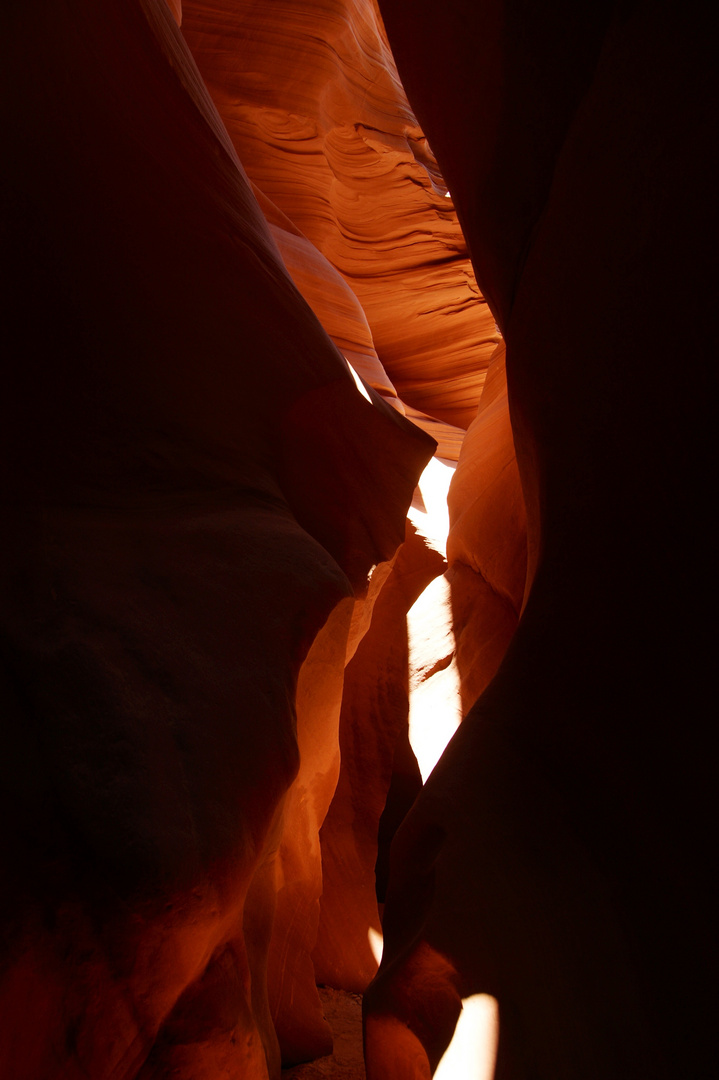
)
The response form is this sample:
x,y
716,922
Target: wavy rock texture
x,y
556,858
204,522
182,445
358,210
378,768
314,107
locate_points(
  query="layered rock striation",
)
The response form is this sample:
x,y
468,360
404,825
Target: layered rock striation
x,y
217,660
314,106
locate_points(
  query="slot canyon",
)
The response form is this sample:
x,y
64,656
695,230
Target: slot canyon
x,y
358,422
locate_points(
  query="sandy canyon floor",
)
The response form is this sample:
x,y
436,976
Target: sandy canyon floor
x,y
344,1015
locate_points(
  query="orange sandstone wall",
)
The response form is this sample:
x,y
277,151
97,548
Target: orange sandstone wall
x,y
182,445
359,212
375,752
486,546
316,111
203,515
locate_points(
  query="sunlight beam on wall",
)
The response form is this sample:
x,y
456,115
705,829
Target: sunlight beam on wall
x,y
471,1054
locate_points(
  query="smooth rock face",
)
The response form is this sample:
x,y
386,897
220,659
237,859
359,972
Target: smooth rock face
x,y
400,706
181,446
314,107
319,103
204,522
375,754
557,857
486,545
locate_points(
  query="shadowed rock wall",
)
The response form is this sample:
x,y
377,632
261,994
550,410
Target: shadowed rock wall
x,y
182,447
557,857
201,515
359,211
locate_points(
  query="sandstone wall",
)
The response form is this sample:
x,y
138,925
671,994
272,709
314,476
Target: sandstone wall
x,y
314,106
556,860
182,447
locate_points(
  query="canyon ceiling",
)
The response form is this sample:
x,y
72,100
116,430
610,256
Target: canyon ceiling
x,y
260,313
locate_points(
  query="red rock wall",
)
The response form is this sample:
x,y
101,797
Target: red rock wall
x,y
486,546
358,210
193,488
557,857
373,734
182,445
315,109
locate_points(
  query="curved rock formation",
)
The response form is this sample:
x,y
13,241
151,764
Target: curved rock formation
x,y
377,762
314,107
557,857
182,445
486,546
331,145
204,516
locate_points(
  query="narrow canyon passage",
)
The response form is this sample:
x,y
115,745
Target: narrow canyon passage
x,y
358,540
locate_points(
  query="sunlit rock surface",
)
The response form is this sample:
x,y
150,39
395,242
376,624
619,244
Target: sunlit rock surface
x,y
486,546
556,859
203,516
360,215
192,488
314,107
380,775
